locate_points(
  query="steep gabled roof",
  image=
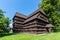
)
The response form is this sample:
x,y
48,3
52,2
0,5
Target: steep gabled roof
x,y
34,15
36,12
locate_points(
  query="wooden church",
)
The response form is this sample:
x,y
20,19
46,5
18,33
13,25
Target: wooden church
x,y
36,23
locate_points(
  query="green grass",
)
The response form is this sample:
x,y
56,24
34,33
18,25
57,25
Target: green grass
x,y
51,36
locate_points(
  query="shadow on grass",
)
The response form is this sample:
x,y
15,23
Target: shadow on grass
x,y
56,32
9,34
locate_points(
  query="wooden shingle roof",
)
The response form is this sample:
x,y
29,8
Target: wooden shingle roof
x,y
20,15
36,12
34,15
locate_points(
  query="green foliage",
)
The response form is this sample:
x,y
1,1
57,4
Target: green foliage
x,y
1,13
52,9
4,23
52,36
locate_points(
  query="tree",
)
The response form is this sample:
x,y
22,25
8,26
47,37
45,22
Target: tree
x,y
52,9
4,23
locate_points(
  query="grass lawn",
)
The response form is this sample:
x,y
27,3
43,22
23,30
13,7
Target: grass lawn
x,y
51,36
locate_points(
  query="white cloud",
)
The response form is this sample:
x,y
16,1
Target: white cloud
x,y
11,25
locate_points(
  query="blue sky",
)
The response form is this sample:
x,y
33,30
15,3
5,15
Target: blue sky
x,y
25,7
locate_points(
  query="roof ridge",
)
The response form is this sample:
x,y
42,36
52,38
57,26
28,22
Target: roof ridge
x,y
39,9
21,14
